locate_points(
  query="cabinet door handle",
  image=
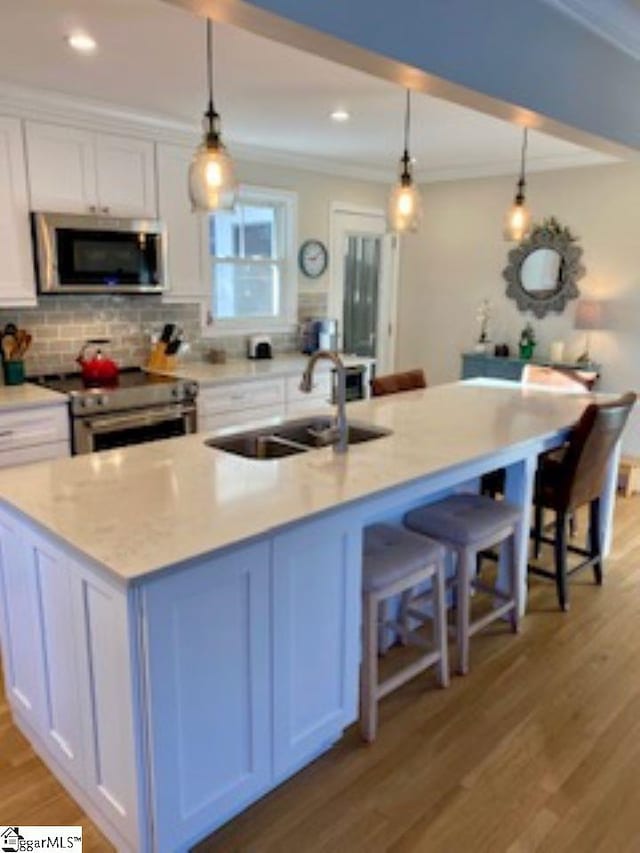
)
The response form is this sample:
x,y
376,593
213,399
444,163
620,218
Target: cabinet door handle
x,y
92,208
105,210
5,433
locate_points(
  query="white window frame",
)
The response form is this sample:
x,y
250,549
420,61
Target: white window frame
x,y
287,320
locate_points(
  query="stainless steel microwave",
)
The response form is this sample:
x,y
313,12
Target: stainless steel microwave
x,y
98,254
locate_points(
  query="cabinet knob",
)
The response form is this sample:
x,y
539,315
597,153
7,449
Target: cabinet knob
x,y
105,209
92,208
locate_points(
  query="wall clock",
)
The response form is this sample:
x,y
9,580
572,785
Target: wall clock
x,y
313,258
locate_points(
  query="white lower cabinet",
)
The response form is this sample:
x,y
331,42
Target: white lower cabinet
x,y
33,434
67,673
300,403
240,403
252,662
244,403
23,661
169,706
209,692
316,618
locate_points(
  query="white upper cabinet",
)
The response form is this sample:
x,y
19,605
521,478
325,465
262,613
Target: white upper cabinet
x,y
78,171
17,282
62,171
187,230
125,176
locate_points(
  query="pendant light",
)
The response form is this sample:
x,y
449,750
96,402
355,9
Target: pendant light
x,y
404,210
212,182
517,222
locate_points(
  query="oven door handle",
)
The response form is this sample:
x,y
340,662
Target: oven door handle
x,y
140,419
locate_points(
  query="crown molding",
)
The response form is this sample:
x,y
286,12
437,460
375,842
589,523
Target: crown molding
x,y
311,163
59,108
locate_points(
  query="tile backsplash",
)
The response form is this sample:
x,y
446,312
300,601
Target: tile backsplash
x,y
61,324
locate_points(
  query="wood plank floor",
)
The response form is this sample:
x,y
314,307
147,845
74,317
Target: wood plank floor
x,y
538,748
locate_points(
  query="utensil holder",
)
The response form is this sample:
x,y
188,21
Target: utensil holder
x,y
13,372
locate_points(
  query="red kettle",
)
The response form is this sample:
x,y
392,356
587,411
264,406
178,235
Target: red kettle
x,y
97,369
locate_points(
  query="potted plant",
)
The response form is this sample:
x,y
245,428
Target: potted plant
x,y
527,342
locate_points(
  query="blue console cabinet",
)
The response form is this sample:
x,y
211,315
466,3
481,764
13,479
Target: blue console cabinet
x,y
495,367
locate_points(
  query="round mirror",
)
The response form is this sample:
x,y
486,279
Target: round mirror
x,y
543,270
541,273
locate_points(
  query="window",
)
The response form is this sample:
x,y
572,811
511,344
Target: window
x,y
252,253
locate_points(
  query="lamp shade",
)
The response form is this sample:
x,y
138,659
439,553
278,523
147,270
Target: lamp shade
x,y
212,182
589,315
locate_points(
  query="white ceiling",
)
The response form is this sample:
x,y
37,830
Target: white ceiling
x,y
618,21
272,98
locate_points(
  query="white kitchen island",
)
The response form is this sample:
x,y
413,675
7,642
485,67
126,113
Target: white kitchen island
x,y
181,626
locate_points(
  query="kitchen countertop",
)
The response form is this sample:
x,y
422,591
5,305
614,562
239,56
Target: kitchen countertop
x,y
236,370
140,509
27,396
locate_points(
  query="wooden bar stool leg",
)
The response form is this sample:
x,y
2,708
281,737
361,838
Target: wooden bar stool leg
x,y
440,624
466,563
561,559
595,546
537,529
369,669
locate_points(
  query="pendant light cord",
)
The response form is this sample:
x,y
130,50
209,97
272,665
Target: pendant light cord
x,y
210,61
406,160
407,122
523,158
211,114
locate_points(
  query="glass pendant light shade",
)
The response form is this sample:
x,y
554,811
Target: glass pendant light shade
x,y
212,180
517,222
404,208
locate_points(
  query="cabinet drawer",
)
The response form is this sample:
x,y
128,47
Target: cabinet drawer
x,y
321,388
32,427
37,453
241,418
244,395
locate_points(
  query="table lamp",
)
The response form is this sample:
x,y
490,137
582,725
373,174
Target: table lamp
x,y
589,317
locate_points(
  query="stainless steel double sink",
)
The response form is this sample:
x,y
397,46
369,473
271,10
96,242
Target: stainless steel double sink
x,y
291,437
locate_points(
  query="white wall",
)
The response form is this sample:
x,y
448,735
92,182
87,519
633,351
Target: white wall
x,y
458,256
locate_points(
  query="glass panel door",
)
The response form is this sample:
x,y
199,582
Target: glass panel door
x,y
361,293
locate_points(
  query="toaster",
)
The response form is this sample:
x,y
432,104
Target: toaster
x,y
259,346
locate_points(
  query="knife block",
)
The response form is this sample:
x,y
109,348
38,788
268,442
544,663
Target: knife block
x,y
159,360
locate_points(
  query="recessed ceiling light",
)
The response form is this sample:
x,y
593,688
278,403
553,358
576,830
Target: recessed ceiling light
x,y
82,42
340,115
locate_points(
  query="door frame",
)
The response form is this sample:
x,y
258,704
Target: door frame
x,y
388,285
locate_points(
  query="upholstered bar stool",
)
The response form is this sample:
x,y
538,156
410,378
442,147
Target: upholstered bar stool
x,y
395,561
467,525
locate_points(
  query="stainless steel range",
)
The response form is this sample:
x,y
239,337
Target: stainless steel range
x,y
140,407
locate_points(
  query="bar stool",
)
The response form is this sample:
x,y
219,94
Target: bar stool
x,y
395,560
466,525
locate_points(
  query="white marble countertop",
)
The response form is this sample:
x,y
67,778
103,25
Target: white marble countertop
x,y
140,509
27,395
237,370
